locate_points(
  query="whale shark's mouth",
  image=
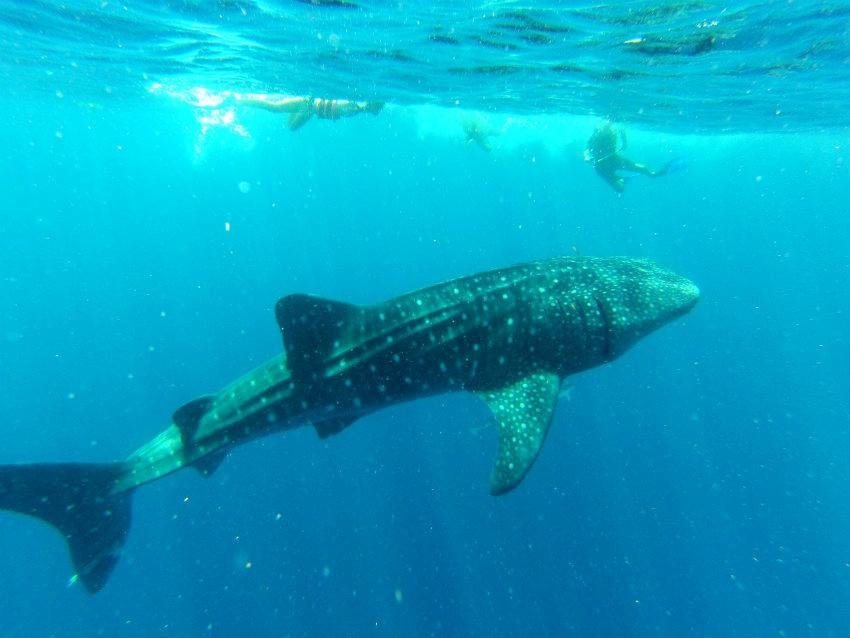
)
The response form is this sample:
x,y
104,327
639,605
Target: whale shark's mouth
x,y
689,293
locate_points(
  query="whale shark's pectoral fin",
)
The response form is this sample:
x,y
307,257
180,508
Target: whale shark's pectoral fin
x,y
523,413
311,326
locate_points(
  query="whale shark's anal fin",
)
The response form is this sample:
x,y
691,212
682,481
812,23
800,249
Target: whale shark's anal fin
x,y
209,463
311,327
187,418
329,427
523,413
81,501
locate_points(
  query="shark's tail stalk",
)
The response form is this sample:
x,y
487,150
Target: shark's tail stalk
x,y
83,502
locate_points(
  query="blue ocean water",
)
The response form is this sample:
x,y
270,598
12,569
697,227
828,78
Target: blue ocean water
x,y
698,486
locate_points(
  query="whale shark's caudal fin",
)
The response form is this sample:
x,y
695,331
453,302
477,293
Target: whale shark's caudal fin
x,y
81,501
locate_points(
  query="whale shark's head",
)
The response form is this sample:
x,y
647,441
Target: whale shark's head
x,y
636,297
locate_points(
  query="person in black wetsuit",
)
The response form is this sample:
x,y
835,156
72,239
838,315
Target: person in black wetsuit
x,y
603,152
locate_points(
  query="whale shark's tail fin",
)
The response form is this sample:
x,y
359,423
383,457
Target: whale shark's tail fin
x,y
80,500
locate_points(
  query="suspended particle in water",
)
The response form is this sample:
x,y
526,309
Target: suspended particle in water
x,y
227,227
244,187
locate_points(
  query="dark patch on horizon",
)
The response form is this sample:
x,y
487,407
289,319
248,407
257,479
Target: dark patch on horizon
x,y
396,55
334,4
494,44
520,21
442,38
630,16
686,45
536,38
490,69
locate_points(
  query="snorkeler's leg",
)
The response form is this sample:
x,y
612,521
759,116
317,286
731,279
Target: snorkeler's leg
x,y
612,179
297,119
288,104
335,109
634,167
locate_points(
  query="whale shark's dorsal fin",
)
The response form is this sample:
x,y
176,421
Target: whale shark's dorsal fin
x,y
523,413
311,327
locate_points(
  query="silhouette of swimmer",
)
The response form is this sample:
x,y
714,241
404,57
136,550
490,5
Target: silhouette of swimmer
x,y
478,133
301,109
603,152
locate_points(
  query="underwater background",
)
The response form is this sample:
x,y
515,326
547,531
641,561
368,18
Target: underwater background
x,y
698,486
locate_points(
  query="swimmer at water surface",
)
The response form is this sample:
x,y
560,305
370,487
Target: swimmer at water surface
x,y
301,109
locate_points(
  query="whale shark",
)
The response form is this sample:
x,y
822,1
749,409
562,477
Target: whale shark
x,y
511,336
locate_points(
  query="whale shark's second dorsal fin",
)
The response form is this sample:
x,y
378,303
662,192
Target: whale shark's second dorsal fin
x,y
311,328
523,413
187,418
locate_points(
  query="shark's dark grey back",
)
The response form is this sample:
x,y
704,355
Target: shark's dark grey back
x,y
457,323
509,335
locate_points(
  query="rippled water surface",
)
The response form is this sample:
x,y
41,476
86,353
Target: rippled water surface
x,y
684,65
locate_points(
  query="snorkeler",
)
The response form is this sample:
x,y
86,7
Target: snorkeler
x,y
301,109
603,153
477,133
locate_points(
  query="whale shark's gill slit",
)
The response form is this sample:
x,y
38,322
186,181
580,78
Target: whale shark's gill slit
x,y
578,306
606,328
